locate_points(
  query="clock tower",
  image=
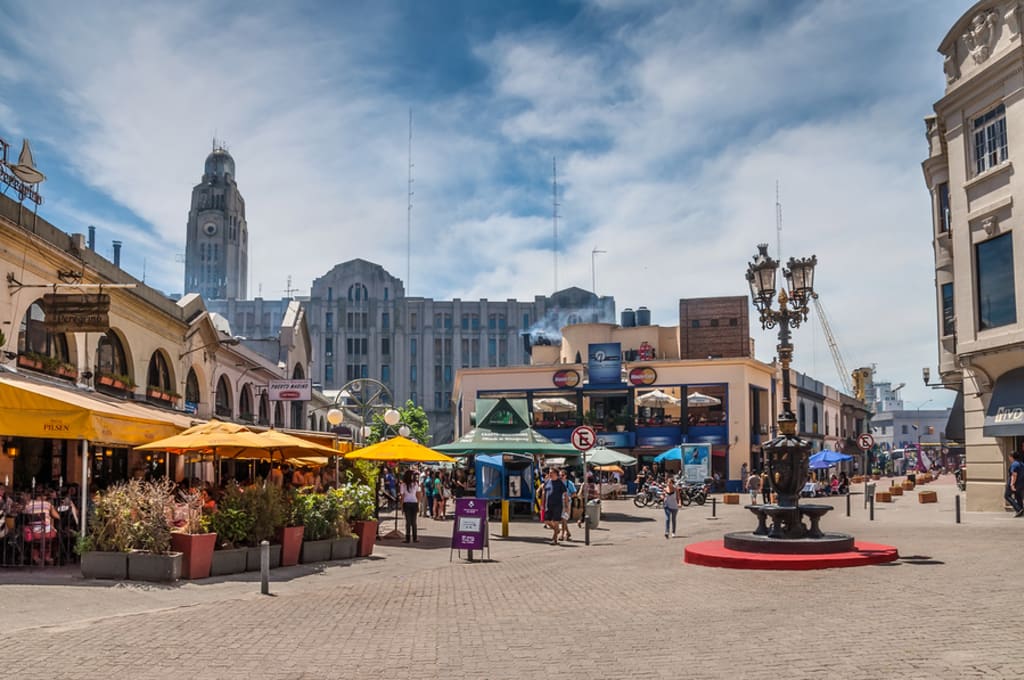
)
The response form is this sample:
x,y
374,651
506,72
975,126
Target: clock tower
x,y
217,240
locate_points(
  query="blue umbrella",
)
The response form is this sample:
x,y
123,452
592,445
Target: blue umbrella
x,y
826,459
672,454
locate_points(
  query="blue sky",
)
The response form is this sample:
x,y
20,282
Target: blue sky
x,y
671,123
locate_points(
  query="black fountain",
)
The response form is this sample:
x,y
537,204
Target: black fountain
x,y
788,535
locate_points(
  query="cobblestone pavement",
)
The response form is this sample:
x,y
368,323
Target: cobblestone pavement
x,y
624,606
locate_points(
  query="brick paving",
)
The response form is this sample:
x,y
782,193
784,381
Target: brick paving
x,y
624,606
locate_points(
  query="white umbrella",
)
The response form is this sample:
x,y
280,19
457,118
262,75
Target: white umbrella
x,y
656,398
601,456
553,404
698,399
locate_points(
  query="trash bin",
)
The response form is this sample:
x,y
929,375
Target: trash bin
x,y
593,513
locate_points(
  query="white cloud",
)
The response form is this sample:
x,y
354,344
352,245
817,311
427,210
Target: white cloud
x,y
671,125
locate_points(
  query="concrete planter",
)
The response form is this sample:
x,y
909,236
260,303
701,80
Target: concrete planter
x,y
928,497
196,553
344,548
252,558
883,497
105,565
316,551
154,567
896,491
228,561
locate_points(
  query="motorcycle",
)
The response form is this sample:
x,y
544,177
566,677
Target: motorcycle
x,y
650,494
694,493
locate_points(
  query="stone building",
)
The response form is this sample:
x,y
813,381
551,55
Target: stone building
x,y
217,236
978,237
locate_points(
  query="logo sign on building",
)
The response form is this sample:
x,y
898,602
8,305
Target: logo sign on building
x,y
605,363
644,375
191,407
566,378
289,390
470,529
73,313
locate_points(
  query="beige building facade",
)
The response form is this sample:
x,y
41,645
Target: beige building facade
x,y
974,139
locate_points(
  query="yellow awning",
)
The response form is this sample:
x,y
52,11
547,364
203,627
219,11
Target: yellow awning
x,y
45,411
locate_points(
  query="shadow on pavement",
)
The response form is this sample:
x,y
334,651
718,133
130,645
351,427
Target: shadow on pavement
x,y
620,517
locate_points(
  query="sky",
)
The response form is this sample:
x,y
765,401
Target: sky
x,y
671,124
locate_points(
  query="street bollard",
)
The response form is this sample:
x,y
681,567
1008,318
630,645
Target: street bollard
x,y
958,508
504,519
871,504
847,504
265,567
713,507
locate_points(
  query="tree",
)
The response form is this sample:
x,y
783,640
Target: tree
x,y
413,417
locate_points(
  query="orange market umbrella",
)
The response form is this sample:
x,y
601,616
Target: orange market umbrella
x,y
214,436
274,443
400,450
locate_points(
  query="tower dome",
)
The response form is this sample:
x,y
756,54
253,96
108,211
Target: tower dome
x,y
219,164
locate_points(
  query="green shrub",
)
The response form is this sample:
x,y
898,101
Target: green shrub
x,y
357,501
232,521
265,504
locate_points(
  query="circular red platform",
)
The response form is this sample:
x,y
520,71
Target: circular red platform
x,y
715,554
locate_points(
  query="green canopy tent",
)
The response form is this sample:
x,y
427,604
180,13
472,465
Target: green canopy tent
x,y
504,427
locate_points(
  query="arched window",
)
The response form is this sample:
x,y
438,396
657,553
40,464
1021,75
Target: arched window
x,y
222,406
814,419
110,356
264,417
278,415
802,424
33,338
245,411
357,292
159,375
192,387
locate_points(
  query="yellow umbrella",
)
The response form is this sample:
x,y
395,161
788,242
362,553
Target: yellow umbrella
x,y
213,437
310,461
401,450
274,443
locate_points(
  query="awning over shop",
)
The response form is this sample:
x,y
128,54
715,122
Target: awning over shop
x,y
1005,415
41,410
955,424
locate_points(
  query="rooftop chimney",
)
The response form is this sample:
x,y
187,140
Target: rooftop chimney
x,y
117,254
92,237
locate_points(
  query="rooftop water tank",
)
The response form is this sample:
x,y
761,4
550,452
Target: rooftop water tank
x,y
643,316
628,318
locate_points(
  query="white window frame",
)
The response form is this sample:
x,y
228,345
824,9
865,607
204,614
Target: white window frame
x,y
988,133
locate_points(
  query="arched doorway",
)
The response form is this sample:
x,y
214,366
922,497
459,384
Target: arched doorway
x,y
264,417
192,392
113,372
223,406
245,404
40,349
298,408
159,383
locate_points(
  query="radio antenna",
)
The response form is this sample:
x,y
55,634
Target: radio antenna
x,y
778,221
554,214
408,218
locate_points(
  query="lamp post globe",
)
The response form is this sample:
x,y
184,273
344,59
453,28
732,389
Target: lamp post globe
x,y
392,417
335,416
404,431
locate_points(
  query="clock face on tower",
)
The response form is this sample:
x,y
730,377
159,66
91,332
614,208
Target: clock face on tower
x,y
209,228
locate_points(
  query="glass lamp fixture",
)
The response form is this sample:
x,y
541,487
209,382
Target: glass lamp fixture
x,y
392,417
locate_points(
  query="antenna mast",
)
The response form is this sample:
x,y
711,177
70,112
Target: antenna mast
x,y
554,214
408,218
778,221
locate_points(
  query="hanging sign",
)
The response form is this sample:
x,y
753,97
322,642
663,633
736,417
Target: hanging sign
x,y
289,390
76,312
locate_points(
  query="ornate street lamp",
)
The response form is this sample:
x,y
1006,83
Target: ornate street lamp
x,y
787,454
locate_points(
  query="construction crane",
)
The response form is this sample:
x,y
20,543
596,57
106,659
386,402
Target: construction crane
x,y
844,374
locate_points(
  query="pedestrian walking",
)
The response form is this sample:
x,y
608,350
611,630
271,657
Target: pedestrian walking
x,y
427,481
567,510
766,493
555,500
409,491
1015,484
671,507
753,486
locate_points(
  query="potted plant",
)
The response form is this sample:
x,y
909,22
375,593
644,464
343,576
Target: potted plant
x,y
104,549
289,532
622,420
232,523
152,558
67,371
30,360
318,515
344,544
264,503
358,506
194,540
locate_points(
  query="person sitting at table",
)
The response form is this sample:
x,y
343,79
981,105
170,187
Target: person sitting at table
x,y
39,530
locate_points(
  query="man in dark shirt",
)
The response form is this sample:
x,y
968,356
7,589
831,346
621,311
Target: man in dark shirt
x,y
556,501
1015,484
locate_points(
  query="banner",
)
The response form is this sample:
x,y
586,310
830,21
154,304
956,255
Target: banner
x,y
696,462
605,363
